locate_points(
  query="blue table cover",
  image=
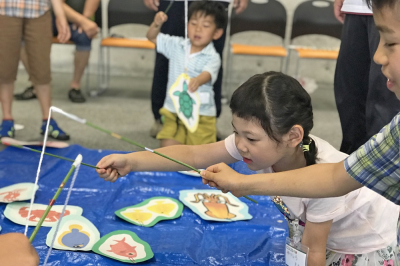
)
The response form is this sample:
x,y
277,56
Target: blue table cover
x,y
187,240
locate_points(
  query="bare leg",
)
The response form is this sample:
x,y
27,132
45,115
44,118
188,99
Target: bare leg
x,y
169,142
6,98
43,92
80,62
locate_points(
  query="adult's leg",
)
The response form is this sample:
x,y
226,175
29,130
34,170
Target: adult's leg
x,y
219,46
382,104
351,82
10,42
38,39
82,54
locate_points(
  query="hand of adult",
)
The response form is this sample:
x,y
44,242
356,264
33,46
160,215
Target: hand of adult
x,y
15,249
152,4
64,34
90,28
337,7
240,5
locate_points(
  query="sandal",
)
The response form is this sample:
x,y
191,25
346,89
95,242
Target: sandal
x,y
26,95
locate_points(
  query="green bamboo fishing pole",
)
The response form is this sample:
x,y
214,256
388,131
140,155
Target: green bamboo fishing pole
x,y
77,161
48,154
83,121
150,150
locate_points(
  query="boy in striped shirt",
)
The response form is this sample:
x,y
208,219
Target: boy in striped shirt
x,y
206,23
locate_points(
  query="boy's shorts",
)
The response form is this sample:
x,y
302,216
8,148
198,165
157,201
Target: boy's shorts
x,y
174,128
37,35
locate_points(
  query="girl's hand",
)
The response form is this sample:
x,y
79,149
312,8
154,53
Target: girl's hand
x,y
113,166
64,34
194,84
160,18
224,178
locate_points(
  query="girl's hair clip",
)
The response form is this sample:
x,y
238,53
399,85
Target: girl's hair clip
x,y
305,147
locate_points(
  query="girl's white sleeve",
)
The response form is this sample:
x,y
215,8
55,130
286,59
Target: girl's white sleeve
x,y
231,147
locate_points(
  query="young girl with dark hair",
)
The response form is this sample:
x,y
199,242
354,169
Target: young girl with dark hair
x,y
272,118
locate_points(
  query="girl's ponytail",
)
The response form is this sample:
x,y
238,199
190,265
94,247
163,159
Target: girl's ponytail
x,y
310,150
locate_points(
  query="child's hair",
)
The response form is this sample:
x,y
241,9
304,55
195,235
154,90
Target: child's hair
x,y
278,102
379,4
210,8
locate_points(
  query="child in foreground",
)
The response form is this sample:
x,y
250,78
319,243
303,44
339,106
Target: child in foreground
x,y
207,21
272,118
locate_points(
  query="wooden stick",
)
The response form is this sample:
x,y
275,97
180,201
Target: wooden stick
x,y
77,161
49,154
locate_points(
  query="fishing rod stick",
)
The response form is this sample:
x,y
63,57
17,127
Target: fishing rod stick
x,y
115,135
48,154
77,161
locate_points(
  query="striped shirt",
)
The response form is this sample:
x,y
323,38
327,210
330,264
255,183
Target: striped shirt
x,y
376,164
208,59
24,8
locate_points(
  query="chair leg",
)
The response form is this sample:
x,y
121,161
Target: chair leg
x,y
228,77
87,87
297,68
103,70
287,62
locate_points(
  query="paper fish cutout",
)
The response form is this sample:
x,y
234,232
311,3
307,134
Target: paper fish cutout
x,y
187,104
151,211
74,233
124,246
214,205
17,212
17,192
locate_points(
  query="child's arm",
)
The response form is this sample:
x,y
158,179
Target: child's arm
x,y
198,156
155,27
201,79
315,237
61,21
331,179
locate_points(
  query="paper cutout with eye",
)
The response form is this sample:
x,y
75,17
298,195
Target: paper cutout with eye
x,y
17,192
74,233
151,211
211,204
17,212
187,104
124,246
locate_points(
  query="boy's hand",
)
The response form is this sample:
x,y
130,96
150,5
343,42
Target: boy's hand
x,y
113,166
224,178
194,84
160,18
64,34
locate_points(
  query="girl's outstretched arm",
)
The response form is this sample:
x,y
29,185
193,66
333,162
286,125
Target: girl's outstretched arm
x,y
316,181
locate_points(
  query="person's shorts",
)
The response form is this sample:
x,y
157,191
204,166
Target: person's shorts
x,y
173,128
37,35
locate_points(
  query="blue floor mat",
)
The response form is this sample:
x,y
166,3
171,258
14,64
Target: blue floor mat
x,y
187,240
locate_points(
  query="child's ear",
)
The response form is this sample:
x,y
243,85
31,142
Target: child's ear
x,y
295,136
217,34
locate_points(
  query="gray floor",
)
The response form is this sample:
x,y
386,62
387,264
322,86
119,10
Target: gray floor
x,y
125,109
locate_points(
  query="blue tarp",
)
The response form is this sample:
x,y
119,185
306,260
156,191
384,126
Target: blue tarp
x,y
187,240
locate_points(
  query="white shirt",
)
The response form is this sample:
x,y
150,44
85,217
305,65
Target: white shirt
x,y
363,221
356,6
